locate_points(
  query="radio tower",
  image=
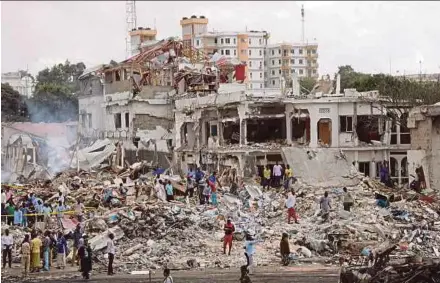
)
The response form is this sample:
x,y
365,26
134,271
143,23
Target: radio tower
x,y
302,24
130,11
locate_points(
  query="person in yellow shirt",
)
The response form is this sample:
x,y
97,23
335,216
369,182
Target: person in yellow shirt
x,y
35,253
288,175
266,177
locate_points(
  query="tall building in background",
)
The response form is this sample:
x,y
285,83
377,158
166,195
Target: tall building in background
x,y
140,37
265,64
286,59
24,84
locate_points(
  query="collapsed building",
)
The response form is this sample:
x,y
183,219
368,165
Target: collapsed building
x,y
424,123
248,129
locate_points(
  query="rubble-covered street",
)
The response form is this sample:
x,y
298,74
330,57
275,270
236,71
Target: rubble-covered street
x,y
151,234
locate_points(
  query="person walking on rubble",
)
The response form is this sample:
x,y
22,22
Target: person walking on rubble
x,y
47,210
159,190
205,193
250,251
7,242
190,184
79,210
111,253
60,214
229,229
348,200
325,206
25,255
266,177
170,191
290,204
277,173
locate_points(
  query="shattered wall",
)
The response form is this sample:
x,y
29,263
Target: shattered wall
x,y
148,122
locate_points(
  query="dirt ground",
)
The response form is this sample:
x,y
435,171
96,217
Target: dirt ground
x,y
294,274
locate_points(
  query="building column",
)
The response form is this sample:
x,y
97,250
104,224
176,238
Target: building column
x,y
373,169
122,155
243,131
356,160
288,128
398,132
220,132
313,133
34,156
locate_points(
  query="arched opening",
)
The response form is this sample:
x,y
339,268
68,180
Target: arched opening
x,y
325,132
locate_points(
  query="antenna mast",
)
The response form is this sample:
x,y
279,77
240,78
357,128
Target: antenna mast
x,y
302,24
130,12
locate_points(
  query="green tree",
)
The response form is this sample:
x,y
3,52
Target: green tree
x,y
13,105
54,99
307,84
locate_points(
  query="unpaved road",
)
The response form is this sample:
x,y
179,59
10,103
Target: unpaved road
x,y
294,274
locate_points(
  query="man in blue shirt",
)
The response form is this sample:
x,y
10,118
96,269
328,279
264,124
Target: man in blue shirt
x,y
250,250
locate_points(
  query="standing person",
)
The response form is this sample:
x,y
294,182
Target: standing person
x,y
3,205
167,275
290,204
229,229
25,255
7,242
18,216
85,255
190,183
206,192
348,200
24,211
384,172
39,210
61,197
10,209
325,206
76,237
61,251
47,210
47,244
169,191
212,181
60,214
111,253
250,251
245,274
288,174
159,190
285,249
35,253
79,210
199,175
277,173
266,177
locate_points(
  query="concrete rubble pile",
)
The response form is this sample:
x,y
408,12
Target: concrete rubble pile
x,y
181,234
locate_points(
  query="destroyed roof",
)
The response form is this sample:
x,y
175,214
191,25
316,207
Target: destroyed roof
x,y
91,70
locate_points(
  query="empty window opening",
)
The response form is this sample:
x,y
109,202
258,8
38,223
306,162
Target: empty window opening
x,y
118,75
127,120
364,167
325,132
231,133
301,130
367,128
346,124
266,130
118,122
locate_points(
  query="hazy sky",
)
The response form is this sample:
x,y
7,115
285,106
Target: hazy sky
x,y
367,35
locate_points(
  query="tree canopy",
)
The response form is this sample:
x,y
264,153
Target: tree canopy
x,y
54,99
13,105
395,89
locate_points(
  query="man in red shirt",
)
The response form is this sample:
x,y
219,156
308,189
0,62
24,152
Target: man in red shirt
x,y
229,230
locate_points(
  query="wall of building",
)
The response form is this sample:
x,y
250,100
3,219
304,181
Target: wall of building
x,y
91,107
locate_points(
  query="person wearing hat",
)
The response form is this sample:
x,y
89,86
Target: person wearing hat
x,y
229,229
285,248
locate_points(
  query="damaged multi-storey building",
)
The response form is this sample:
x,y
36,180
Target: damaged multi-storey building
x,y
424,156
248,129
130,102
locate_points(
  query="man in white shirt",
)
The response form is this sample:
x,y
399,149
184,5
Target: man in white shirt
x,y
277,173
7,242
290,204
111,253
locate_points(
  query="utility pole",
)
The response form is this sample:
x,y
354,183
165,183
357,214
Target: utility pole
x,y
420,72
302,25
130,13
